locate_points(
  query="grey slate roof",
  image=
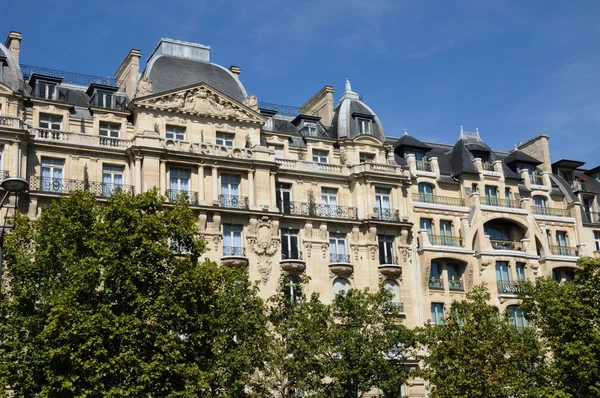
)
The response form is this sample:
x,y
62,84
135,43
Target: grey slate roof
x,y
564,187
168,73
11,71
518,156
344,124
408,140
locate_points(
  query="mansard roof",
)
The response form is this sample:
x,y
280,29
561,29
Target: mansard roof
x,y
518,156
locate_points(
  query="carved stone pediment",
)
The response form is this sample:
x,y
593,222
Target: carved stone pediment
x,y
201,100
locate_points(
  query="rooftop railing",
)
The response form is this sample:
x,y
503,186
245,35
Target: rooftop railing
x,y
68,77
440,200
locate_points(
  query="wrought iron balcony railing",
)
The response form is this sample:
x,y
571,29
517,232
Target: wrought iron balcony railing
x,y
318,210
189,196
398,306
64,186
509,203
233,201
563,251
438,240
439,200
456,285
386,214
550,211
507,287
500,244
339,258
591,217
234,251
388,259
109,101
436,283
291,255
423,165
536,179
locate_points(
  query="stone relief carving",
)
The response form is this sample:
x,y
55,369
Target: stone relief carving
x,y
343,157
373,250
426,277
308,248
144,87
324,247
471,266
263,241
251,102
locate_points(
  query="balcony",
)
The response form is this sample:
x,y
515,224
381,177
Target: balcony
x,y
550,211
487,167
501,244
386,214
64,186
563,251
190,197
291,262
423,165
438,240
436,283
536,179
304,165
438,200
233,202
11,122
79,139
319,210
389,266
382,168
398,306
508,203
456,285
340,264
591,217
508,288
102,100
234,256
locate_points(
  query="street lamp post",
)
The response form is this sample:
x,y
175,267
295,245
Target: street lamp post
x,y
11,185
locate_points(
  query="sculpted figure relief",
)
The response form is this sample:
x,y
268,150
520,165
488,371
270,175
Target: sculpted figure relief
x,y
144,87
251,102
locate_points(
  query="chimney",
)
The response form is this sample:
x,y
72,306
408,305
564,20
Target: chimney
x,y
127,74
321,104
538,148
13,43
235,70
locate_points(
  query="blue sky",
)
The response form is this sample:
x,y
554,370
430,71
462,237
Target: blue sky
x,y
513,69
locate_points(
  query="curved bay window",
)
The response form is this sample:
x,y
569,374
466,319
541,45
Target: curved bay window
x,y
505,235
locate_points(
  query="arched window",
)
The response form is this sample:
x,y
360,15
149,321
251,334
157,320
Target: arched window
x,y
340,285
292,290
516,317
425,192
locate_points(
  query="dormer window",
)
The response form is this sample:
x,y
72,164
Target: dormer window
x,y
484,156
45,87
364,126
310,129
530,168
419,155
104,96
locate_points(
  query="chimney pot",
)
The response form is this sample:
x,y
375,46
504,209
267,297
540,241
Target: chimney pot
x,y
235,70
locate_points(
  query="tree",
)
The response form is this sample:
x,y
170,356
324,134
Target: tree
x,y
105,300
367,345
568,317
477,353
298,331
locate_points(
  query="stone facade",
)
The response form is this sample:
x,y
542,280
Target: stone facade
x,y
323,193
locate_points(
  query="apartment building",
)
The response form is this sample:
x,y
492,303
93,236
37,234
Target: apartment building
x,y
319,190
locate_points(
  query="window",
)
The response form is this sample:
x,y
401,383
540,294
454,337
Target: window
x,y
366,157
455,276
328,202
230,190
491,195
497,231
393,287
561,243
46,90
516,317
225,139
283,197
103,99
474,187
289,245
426,224
540,204
320,156
507,193
50,121
179,182
485,157
597,240
232,240
310,129
340,286
520,268
364,126
503,278
382,203
178,245
425,193
419,155
446,228
110,130
437,313
337,248
112,179
386,249
566,174
175,133
527,167
292,290
52,175
435,276
278,150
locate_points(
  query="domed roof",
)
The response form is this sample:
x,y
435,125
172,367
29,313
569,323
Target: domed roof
x,y
11,71
350,113
174,64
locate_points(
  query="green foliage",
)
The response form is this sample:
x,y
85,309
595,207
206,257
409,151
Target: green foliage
x,y
477,353
99,305
568,317
367,345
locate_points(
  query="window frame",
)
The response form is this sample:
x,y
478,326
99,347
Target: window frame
x,y
364,126
225,139
176,132
366,157
437,313
289,236
319,154
51,120
106,129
